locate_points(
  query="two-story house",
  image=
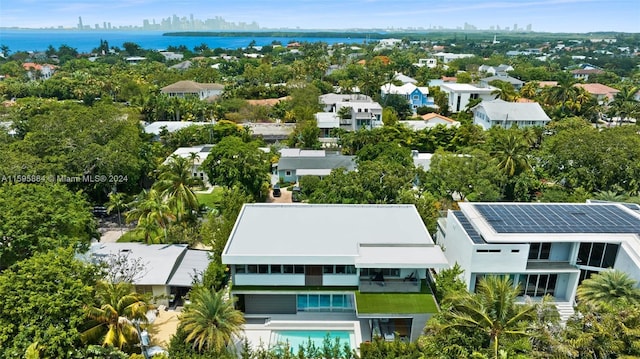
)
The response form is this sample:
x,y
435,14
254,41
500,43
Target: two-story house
x,y
508,114
459,95
196,156
364,264
188,88
349,112
416,96
545,248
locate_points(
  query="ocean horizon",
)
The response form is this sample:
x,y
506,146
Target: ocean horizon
x,y
85,41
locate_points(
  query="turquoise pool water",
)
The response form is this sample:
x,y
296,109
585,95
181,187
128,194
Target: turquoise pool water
x,y
302,337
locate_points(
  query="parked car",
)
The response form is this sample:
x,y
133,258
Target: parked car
x,y
295,194
276,190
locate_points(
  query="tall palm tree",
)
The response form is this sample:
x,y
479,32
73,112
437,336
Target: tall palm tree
x,y
150,207
210,321
116,202
609,288
492,310
511,153
175,182
112,323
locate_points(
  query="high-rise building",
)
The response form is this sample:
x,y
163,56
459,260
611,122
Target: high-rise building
x,y
80,26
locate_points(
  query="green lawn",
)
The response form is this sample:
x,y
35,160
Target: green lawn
x,y
131,236
398,303
212,199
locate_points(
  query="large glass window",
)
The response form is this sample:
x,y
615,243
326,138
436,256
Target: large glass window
x,y
241,268
325,302
387,272
539,250
539,285
601,255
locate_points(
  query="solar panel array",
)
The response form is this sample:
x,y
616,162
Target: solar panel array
x,y
558,218
466,225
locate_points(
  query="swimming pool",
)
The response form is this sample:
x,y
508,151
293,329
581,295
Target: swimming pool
x,y
298,338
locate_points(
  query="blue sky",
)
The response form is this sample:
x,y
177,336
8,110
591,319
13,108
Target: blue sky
x,y
544,15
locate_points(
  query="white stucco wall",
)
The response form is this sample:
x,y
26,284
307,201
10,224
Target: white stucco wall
x,y
340,279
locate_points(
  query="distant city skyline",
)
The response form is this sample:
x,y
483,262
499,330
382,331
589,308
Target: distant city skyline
x,y
542,15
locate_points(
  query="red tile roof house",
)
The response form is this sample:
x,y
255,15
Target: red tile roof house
x,y
39,71
603,93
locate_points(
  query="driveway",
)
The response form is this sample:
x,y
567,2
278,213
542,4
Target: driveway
x,y
285,197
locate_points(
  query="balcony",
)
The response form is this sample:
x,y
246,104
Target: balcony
x,y
393,285
346,122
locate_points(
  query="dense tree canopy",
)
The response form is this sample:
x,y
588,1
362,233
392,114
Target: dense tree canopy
x,y
233,162
43,301
40,217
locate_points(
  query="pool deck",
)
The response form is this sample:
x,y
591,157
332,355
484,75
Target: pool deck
x,y
258,328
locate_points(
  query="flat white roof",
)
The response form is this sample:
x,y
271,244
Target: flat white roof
x,y
466,88
409,256
329,234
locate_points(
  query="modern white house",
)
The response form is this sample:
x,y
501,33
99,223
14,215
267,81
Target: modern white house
x,y
460,94
188,88
365,263
508,114
446,57
197,154
168,270
545,248
362,112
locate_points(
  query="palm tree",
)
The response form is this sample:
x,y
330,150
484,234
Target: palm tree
x,y
116,202
530,90
504,91
150,207
561,94
624,104
609,288
112,323
210,321
511,154
492,310
175,182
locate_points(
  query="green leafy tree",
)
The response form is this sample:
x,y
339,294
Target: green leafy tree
x,y
40,217
210,321
49,291
111,320
233,162
448,282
